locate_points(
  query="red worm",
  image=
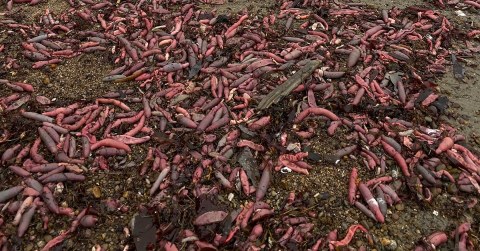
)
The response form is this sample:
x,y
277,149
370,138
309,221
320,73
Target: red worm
x,y
129,120
372,203
401,92
88,220
36,116
49,200
264,183
114,102
129,140
110,151
388,190
137,128
172,67
333,74
293,55
250,144
246,216
224,181
186,121
333,127
10,153
57,128
53,134
446,144
345,151
24,86
19,171
244,181
350,233
365,210
37,158
10,193
353,58
352,186
110,143
79,123
25,221
437,238
54,171
262,213
47,140
86,147
358,96
260,123
256,232
398,158
23,153
159,180
217,124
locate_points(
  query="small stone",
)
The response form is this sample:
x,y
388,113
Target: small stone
x,y
435,191
428,119
388,244
126,194
433,109
400,207
46,80
359,243
452,188
455,105
41,243
97,193
29,247
462,121
47,238
69,243
441,167
395,216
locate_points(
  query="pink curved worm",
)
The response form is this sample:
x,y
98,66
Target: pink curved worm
x,y
110,143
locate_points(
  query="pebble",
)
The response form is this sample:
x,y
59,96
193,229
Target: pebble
x,y
69,243
29,247
41,243
389,244
400,207
452,188
359,243
47,238
436,191
97,193
395,216
441,167
428,119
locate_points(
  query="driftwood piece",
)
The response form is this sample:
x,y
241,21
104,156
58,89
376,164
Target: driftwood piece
x,y
288,86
